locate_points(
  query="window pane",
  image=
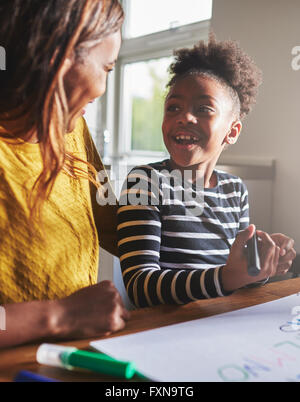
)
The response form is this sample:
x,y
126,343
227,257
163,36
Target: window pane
x,y
144,92
148,16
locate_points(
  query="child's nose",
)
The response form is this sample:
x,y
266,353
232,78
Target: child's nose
x,y
187,117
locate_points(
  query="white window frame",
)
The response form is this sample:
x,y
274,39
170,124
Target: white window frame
x,y
143,48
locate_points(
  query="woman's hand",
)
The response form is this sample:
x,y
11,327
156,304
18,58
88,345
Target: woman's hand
x,y
93,311
235,273
96,310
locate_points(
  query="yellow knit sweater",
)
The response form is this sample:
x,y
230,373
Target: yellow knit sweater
x,y
65,258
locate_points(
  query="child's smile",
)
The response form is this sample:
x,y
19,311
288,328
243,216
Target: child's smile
x,y
198,122
186,139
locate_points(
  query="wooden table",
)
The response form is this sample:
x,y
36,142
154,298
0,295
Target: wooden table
x,y
12,360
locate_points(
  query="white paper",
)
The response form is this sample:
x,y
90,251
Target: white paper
x,y
250,344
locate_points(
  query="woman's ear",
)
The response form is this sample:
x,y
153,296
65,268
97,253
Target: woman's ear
x,y
67,64
233,135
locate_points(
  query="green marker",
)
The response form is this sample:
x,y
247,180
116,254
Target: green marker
x,y
70,357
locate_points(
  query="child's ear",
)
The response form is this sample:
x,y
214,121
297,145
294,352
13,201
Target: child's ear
x,y
233,135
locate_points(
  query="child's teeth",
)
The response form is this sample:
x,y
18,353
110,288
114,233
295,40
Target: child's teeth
x,y
186,137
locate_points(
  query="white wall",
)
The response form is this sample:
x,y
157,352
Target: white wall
x,y
268,30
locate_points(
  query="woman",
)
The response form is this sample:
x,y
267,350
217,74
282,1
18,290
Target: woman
x,y
58,56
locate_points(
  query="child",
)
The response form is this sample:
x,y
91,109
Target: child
x,y
169,237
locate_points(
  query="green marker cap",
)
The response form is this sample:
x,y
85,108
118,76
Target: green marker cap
x,y
98,362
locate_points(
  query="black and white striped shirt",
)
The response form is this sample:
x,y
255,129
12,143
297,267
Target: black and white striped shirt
x,y
168,245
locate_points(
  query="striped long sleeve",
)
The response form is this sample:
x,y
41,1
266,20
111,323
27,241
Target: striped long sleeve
x,y
169,255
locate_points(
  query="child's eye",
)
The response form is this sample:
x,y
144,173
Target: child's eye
x,y
205,109
172,108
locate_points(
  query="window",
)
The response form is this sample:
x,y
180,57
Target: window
x,y
143,98
147,17
131,112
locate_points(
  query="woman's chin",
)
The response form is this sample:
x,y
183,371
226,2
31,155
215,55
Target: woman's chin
x,y
73,120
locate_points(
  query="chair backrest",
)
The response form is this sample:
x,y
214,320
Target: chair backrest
x,y
295,268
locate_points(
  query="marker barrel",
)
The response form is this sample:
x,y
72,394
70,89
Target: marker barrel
x,y
28,376
70,358
253,256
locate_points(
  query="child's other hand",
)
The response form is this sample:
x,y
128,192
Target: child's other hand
x,y
235,273
287,252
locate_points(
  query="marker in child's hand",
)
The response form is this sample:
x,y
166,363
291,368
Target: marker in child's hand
x,y
253,256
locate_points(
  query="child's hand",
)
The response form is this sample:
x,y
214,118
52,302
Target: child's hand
x,y
235,273
287,252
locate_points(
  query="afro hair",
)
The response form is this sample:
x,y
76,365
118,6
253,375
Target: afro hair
x,y
224,61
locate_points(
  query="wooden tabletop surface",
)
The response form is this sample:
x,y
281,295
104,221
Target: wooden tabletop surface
x,y
12,360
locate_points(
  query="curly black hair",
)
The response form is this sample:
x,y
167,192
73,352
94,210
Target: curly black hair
x,y
227,63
